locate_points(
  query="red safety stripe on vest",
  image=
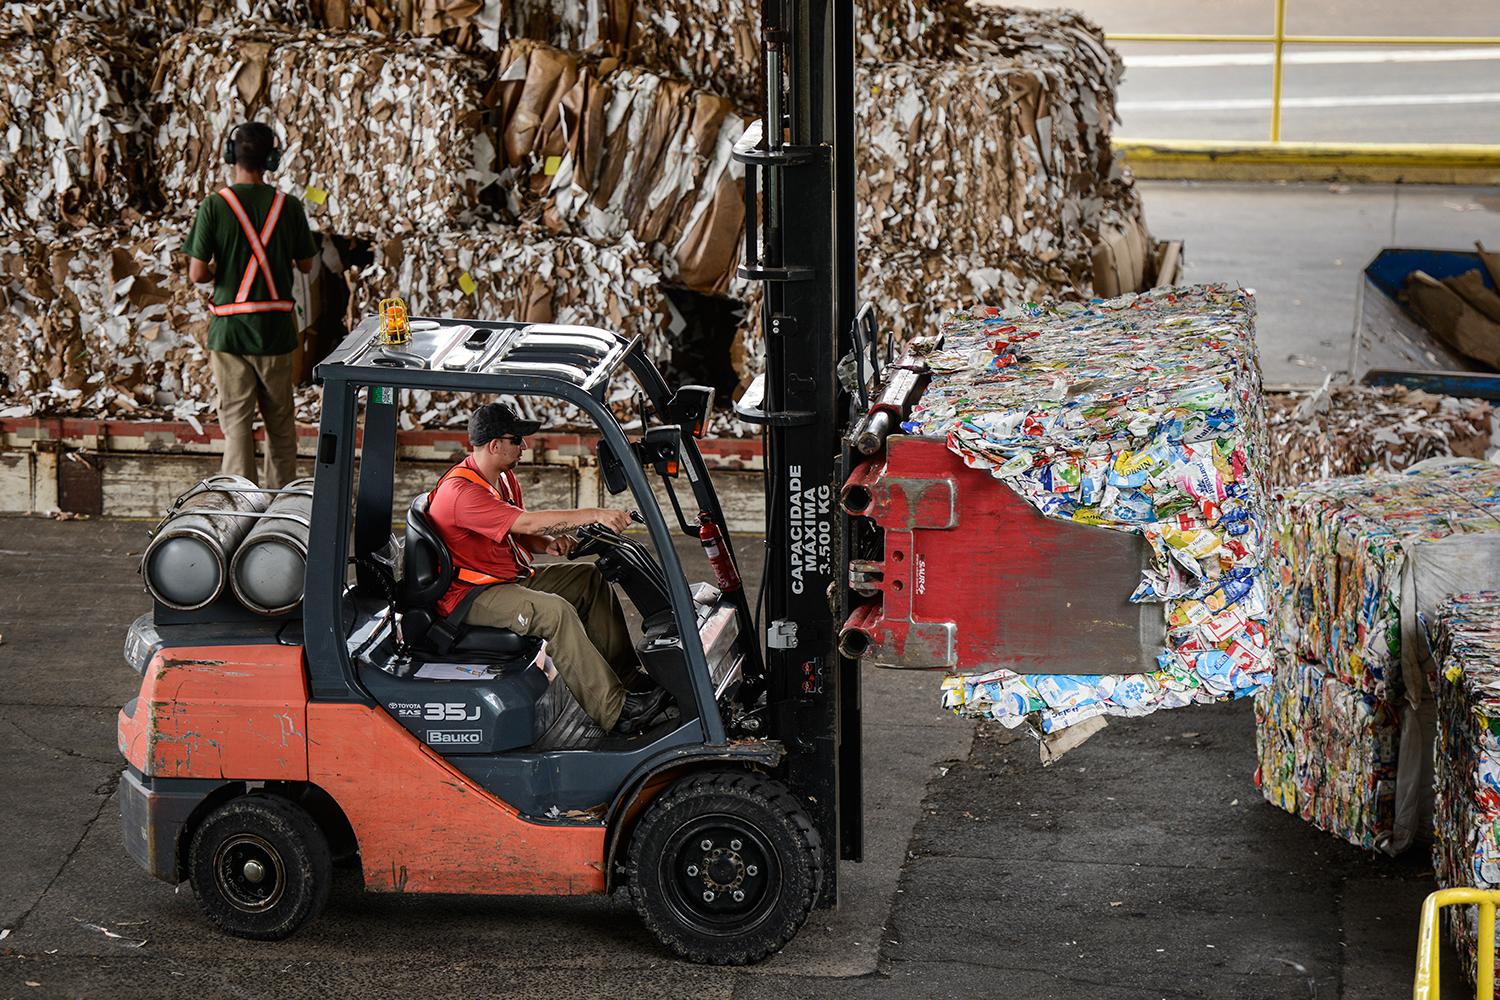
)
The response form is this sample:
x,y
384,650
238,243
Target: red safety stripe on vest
x,y
521,556
259,262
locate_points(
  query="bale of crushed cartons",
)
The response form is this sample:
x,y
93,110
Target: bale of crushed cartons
x,y
73,138
1142,414
1466,850
1351,429
602,154
382,137
1358,564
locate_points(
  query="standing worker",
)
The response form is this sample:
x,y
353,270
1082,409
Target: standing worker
x,y
245,239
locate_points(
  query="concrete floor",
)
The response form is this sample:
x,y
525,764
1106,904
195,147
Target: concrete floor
x,y
1302,248
1143,865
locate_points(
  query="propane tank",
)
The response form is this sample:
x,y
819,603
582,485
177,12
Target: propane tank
x,y
268,567
186,565
718,554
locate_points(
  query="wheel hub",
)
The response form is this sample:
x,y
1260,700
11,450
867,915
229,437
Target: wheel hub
x,y
249,872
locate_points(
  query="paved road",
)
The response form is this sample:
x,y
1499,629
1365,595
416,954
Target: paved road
x,y
1428,94
1143,865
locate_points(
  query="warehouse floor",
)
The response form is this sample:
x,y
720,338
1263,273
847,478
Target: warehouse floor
x,y
1143,864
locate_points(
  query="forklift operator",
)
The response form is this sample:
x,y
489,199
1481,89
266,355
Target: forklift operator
x,y
477,509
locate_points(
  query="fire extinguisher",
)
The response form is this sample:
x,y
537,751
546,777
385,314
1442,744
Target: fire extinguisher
x,y
718,554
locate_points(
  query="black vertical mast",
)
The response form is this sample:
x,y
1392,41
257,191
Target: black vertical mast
x,y
800,241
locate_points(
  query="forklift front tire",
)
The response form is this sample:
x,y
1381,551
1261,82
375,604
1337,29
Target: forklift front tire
x,y
725,867
260,867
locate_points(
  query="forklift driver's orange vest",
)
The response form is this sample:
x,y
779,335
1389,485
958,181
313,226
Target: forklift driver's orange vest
x,y
521,556
259,262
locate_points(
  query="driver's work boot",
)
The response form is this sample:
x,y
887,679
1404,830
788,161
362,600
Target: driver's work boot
x,y
639,709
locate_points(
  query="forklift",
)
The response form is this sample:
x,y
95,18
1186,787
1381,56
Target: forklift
x,y
264,748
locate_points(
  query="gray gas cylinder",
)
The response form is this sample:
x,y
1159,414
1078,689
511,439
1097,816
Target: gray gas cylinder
x,y
267,570
186,566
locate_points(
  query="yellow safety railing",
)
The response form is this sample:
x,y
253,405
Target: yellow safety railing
x,y
1429,983
1474,163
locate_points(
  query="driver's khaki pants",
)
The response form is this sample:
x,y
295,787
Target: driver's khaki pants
x,y
575,609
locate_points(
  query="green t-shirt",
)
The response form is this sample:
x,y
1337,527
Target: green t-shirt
x,y
216,237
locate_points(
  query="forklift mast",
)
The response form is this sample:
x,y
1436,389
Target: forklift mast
x,y
800,238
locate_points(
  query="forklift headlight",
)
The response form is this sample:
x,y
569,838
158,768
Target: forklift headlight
x,y
691,407
141,644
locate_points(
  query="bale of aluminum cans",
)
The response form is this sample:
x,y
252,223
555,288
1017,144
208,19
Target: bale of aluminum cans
x,y
1358,563
1466,851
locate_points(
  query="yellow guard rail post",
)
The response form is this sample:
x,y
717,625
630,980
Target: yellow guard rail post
x,y
1448,163
1429,983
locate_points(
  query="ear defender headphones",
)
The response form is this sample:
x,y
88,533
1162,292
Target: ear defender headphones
x,y
273,158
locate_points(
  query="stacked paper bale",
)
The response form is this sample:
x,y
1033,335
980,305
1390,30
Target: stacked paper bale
x,y
72,141
1346,429
1142,414
987,177
105,323
384,137
623,152
1357,562
1466,852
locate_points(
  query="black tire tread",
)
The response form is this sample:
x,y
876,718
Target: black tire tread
x,y
743,785
294,822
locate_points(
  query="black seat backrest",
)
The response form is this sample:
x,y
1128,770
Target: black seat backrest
x,y
428,569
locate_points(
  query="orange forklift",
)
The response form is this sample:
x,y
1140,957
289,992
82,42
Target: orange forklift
x,y
360,724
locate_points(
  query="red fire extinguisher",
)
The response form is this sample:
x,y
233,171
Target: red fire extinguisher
x,y
718,554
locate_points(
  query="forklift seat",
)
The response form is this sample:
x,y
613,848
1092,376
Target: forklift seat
x,y
427,574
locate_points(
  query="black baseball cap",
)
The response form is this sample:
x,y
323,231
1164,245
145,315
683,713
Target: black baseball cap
x,y
494,420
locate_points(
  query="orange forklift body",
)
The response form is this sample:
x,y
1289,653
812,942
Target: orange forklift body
x,y
241,713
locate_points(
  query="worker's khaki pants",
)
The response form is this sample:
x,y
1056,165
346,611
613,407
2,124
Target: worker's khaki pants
x,y
246,381
575,609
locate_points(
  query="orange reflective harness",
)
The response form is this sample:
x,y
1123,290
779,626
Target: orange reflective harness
x,y
259,262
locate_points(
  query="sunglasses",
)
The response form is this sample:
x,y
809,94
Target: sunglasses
x,y
514,439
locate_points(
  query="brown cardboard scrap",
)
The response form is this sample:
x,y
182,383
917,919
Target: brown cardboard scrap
x,y
73,145
1353,429
1452,319
627,155
389,131
1471,288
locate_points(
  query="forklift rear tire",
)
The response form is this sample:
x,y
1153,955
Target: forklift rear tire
x,y
725,867
260,867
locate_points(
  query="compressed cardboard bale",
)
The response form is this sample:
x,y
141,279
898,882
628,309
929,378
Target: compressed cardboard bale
x,y
1358,562
104,323
1466,850
714,45
1352,429
1144,415
602,154
382,137
516,274
1005,153
73,135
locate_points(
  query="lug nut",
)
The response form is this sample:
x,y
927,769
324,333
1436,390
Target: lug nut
x,y
739,896
708,895
692,871
707,845
734,845
751,870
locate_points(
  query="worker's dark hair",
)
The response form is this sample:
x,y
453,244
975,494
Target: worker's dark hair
x,y
253,143
494,420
